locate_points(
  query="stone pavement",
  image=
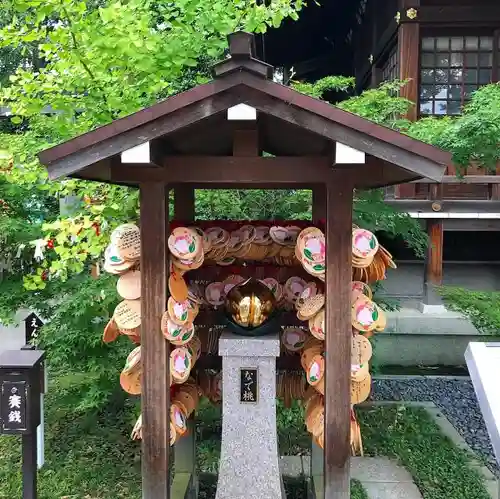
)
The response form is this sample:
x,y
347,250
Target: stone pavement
x,y
381,478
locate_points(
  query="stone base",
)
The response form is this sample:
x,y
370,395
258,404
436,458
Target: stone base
x,y
249,465
431,309
413,338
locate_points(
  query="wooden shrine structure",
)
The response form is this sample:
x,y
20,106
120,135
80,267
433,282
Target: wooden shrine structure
x,y
193,145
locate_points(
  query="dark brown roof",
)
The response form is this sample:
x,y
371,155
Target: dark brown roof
x,y
289,124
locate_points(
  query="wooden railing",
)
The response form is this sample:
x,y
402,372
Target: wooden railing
x,y
474,185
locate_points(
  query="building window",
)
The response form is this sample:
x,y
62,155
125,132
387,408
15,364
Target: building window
x,y
452,68
390,68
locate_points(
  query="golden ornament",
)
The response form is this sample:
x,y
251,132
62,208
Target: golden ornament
x,y
250,303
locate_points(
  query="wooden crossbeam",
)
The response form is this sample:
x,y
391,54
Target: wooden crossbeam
x,y
453,14
466,179
227,170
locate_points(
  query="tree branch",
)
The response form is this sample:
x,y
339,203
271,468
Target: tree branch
x,y
84,63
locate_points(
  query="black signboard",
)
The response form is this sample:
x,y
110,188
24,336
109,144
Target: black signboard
x,y
13,407
33,324
249,386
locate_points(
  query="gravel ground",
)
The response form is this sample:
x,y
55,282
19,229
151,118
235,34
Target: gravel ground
x,y
457,400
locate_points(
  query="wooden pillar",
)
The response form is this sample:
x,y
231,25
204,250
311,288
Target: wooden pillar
x,y
434,272
154,347
495,189
376,76
339,196
435,253
184,203
375,72
409,56
245,139
318,203
496,56
409,68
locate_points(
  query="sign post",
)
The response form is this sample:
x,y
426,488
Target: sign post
x,y
40,431
32,323
21,384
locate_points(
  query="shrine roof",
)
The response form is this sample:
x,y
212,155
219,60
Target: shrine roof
x,y
288,122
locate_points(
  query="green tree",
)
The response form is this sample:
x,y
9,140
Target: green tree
x,y
96,61
91,76
103,60
471,137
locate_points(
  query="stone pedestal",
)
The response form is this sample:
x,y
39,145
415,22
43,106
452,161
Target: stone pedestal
x,y
432,303
249,466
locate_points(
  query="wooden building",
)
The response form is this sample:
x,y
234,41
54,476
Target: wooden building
x,y
448,48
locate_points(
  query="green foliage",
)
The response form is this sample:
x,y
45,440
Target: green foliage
x,y
381,105
481,307
371,212
409,435
86,455
293,437
324,85
253,204
89,75
430,129
474,136
74,339
78,310
357,490
86,62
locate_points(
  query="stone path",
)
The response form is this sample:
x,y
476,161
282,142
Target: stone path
x,y
380,477
383,479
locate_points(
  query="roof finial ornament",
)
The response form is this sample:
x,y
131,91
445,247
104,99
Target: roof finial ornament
x,y
242,53
242,45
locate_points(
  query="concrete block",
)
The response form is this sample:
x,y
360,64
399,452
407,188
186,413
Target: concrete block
x,y
292,466
431,309
412,349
